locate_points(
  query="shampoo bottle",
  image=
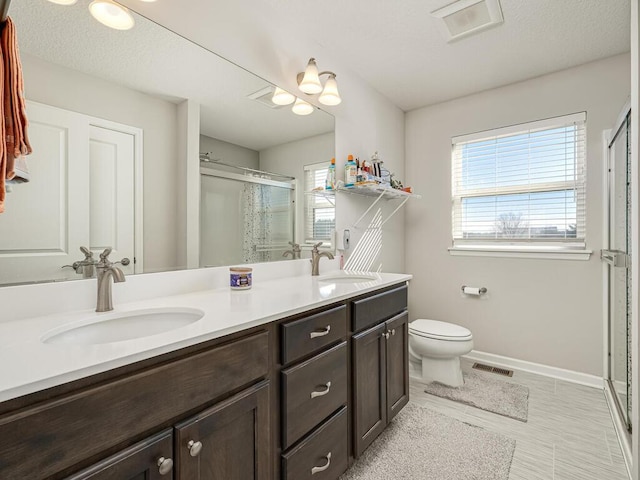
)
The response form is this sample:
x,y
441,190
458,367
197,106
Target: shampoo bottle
x,y
330,183
350,172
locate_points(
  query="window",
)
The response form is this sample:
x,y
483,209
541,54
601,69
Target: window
x,y
320,212
521,187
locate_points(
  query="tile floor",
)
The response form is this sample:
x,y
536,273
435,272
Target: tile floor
x,y
569,435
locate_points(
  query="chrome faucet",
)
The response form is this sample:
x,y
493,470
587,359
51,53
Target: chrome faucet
x,y
294,252
315,259
107,270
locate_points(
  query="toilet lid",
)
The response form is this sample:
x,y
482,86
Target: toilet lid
x,y
437,329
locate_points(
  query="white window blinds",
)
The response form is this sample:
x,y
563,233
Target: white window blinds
x,y
524,183
320,213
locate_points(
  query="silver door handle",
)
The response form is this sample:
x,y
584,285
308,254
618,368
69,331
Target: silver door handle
x,y
194,448
315,470
321,333
615,258
315,393
165,465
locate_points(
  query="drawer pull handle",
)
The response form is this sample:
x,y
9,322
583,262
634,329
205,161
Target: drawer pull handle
x,y
321,333
315,470
165,465
194,448
322,393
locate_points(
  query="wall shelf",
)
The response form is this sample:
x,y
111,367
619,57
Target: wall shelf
x,y
380,192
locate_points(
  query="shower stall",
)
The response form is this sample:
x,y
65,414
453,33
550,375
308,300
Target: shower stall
x,y
246,215
617,273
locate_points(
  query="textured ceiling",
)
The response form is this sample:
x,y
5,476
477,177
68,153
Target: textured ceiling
x,y
154,60
396,47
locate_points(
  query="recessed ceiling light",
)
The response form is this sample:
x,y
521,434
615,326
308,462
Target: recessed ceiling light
x,y
64,2
111,14
466,17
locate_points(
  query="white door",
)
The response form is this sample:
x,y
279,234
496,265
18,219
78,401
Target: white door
x,y
45,220
111,199
80,194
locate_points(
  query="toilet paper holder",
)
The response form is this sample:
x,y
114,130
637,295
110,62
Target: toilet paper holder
x,y
467,290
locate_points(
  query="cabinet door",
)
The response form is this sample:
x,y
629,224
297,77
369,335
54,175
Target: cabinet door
x,y
370,392
229,441
397,364
147,460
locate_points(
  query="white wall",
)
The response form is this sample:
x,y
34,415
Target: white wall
x,y
64,88
229,153
544,311
271,47
290,159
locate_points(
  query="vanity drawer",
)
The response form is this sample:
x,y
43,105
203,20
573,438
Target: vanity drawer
x,y
376,308
321,456
311,391
54,436
311,334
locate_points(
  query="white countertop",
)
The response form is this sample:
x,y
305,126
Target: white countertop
x,y
28,365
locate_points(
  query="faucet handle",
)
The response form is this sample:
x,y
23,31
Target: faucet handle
x,y
88,254
124,262
104,256
315,247
296,246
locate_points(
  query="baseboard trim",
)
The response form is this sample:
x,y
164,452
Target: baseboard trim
x,y
537,368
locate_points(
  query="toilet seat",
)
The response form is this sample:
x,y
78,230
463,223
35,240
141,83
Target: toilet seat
x,y
438,330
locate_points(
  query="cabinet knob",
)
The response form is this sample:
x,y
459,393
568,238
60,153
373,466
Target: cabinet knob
x,y
315,393
386,335
393,331
165,465
320,332
315,470
194,448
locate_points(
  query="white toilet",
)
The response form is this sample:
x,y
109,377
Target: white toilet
x,y
435,349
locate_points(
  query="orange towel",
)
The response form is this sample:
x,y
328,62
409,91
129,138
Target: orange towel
x,y
13,126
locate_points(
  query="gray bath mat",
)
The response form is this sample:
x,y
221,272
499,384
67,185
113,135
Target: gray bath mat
x,y
482,391
420,444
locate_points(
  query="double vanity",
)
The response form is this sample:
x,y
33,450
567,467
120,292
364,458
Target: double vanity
x,y
292,379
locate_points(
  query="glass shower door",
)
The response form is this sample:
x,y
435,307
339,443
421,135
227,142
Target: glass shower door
x,y
619,270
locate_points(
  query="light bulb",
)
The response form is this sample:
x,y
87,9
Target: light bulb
x,y
330,95
111,14
311,81
301,107
64,2
282,97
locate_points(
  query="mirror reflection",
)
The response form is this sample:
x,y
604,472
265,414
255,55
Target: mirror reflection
x,y
149,144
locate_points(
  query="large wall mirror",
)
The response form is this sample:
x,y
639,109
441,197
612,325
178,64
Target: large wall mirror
x,y
118,120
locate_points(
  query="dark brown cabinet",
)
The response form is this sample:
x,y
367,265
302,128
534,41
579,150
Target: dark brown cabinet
x,y
150,459
294,399
229,441
380,373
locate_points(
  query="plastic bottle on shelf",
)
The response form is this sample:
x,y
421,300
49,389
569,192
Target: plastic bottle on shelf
x,y
350,172
330,183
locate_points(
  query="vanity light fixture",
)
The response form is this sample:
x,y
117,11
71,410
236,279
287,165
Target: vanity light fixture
x,y
112,14
301,107
282,97
64,2
309,82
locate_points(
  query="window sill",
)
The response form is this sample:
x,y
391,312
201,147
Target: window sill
x,y
521,252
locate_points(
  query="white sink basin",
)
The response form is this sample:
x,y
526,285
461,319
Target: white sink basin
x,y
117,327
347,277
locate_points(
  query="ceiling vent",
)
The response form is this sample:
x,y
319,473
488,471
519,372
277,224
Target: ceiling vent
x,y
264,96
466,17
